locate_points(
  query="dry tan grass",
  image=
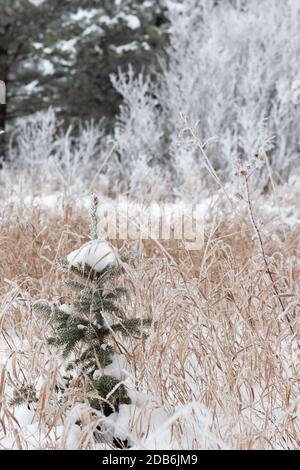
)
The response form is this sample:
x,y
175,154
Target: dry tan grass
x,y
220,338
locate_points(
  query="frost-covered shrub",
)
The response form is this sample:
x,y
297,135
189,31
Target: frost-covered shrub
x,y
149,181
232,66
188,174
79,155
138,130
35,140
41,147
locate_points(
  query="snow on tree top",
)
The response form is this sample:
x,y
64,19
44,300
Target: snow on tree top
x,y
97,253
133,21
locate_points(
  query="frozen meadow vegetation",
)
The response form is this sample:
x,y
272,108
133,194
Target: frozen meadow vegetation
x,y
141,343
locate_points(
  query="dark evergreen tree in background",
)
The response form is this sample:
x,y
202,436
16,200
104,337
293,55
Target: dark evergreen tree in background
x,y
20,21
61,53
98,37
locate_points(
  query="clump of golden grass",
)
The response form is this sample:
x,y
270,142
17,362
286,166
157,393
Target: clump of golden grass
x,y
220,337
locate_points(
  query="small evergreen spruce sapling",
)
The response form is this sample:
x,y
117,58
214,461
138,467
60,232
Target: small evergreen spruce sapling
x,y
93,318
